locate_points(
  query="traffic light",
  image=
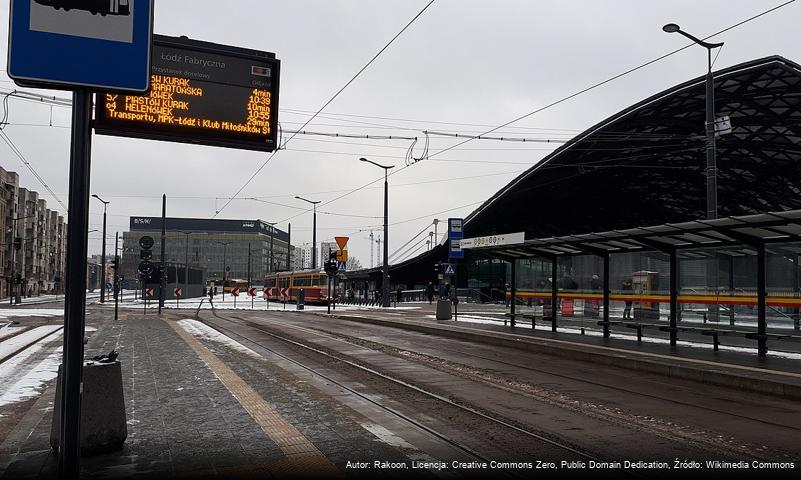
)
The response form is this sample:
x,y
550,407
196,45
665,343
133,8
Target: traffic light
x,y
113,264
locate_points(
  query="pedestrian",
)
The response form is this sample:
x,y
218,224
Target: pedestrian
x,y
399,295
627,290
447,290
430,292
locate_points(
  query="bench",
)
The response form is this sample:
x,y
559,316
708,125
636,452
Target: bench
x,y
635,326
528,316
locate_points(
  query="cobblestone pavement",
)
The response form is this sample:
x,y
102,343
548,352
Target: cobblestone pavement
x,y
183,421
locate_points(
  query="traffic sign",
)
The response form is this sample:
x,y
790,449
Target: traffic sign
x,y
267,292
285,292
227,268
252,292
149,292
455,234
178,292
146,242
341,265
342,255
235,292
448,269
341,242
108,285
58,44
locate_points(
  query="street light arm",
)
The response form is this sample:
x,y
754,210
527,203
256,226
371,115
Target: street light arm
x,y
385,167
699,41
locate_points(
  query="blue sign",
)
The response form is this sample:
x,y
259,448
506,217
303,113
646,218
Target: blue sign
x,y
109,286
455,234
104,44
448,269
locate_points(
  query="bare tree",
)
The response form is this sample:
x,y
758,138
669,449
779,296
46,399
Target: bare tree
x,y
354,264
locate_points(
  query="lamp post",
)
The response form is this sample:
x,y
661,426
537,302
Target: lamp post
x,y
103,257
711,162
314,230
385,270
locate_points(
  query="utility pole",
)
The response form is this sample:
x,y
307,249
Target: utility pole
x,y
372,244
314,230
163,267
249,279
103,254
378,249
186,265
116,276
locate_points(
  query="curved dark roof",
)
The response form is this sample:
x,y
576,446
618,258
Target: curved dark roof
x,y
646,164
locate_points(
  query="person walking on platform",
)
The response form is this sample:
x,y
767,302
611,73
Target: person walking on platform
x,y
627,288
430,292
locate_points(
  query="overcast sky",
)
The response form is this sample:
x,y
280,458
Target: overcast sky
x,y
464,66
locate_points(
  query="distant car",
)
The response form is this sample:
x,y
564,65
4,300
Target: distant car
x,y
103,7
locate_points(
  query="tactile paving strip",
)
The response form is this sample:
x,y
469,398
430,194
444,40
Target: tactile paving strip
x,y
302,457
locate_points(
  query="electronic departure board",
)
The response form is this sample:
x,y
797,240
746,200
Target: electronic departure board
x,y
200,93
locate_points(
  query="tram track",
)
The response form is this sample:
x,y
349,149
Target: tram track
x,y
668,430
317,350
24,340
617,388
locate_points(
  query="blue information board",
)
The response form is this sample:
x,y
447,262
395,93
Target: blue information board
x,y
455,234
62,44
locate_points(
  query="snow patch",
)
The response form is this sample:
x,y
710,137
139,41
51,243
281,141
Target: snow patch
x,y
11,345
386,436
30,383
202,331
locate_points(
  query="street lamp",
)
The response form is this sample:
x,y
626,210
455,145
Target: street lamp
x,y
711,162
385,270
103,258
314,231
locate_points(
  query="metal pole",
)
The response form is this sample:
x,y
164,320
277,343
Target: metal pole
x,y
272,234
75,287
514,293
116,277
674,296
711,163
385,271
606,295
554,291
11,284
225,246
163,276
103,260
186,263
288,243
314,238
762,327
249,279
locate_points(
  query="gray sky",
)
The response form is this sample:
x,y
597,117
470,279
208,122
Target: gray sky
x,y
464,66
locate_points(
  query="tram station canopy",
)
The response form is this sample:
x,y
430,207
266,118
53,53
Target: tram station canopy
x,y
646,164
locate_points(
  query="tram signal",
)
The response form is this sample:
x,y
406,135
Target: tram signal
x,y
145,254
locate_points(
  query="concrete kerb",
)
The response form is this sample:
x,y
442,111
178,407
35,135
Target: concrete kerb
x,y
673,367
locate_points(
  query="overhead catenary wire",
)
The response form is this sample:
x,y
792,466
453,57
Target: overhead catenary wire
x,y
25,162
568,97
272,155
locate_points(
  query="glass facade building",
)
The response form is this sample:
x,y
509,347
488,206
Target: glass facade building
x,y
214,245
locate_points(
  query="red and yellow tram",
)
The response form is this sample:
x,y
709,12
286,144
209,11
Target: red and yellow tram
x,y
313,282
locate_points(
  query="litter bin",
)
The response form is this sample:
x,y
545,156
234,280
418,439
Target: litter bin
x,y
103,423
443,309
